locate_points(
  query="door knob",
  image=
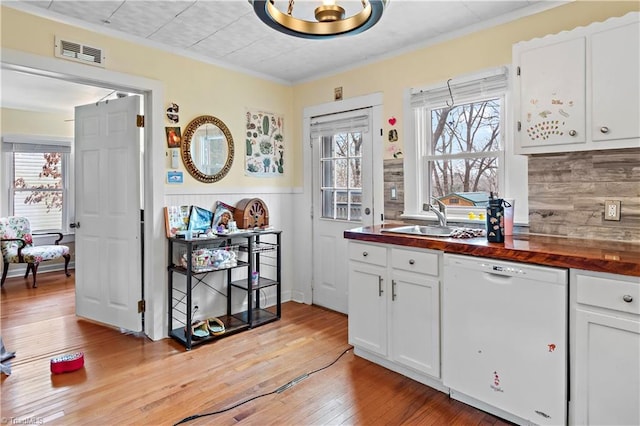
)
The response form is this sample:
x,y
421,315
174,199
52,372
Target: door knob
x,y
367,211
74,225
604,129
572,133
627,298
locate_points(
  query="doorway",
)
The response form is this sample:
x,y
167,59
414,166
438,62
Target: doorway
x,y
153,92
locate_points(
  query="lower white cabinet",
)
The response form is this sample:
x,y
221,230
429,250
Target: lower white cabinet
x,y
605,361
394,305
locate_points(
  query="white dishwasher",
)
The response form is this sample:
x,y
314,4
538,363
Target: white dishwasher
x,y
504,338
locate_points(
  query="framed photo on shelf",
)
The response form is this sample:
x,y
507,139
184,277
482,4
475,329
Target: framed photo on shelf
x,y
176,219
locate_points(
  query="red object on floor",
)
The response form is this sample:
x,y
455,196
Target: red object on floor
x,y
67,363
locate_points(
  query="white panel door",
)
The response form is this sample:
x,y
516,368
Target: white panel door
x,y
342,194
107,199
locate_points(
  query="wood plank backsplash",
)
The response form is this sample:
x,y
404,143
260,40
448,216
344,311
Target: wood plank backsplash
x,y
566,193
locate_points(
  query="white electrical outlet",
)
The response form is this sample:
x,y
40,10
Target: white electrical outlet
x,y
612,210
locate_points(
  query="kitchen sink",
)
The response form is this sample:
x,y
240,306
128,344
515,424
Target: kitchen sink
x,y
430,230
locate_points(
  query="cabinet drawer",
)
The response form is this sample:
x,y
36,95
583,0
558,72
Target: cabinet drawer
x,y
609,291
415,261
376,255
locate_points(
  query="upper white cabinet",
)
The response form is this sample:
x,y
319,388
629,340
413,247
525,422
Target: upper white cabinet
x,y
580,89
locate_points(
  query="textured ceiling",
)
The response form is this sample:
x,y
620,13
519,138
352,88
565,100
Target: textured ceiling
x,y
228,33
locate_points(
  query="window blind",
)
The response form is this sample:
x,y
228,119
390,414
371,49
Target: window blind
x,y
462,89
354,121
36,147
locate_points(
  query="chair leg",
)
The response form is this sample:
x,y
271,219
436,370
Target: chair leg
x,y
34,268
67,258
26,274
4,273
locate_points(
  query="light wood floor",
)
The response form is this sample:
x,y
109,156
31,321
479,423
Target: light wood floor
x,y
128,379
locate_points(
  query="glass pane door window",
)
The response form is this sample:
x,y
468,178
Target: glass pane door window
x,y
341,168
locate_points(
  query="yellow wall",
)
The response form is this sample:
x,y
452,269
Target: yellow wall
x,y
198,88
430,65
201,88
16,121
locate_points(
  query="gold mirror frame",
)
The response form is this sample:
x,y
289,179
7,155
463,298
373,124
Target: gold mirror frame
x,y
185,148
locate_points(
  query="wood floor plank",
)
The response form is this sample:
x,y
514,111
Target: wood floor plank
x,y
130,380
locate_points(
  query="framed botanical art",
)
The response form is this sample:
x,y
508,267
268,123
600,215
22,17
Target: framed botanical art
x,y
264,155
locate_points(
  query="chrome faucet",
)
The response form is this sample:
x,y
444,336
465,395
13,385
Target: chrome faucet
x,y
440,211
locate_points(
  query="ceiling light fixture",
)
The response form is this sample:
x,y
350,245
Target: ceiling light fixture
x,y
330,17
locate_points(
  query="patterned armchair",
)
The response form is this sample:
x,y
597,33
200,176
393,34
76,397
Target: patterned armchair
x,y
17,246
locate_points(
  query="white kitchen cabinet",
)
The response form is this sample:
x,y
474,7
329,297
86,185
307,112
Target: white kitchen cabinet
x,y
579,90
394,307
605,335
615,70
368,307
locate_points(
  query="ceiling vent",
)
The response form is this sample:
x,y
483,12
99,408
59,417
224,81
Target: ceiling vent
x,y
79,52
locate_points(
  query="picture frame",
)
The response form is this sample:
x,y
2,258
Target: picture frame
x,y
222,215
200,219
174,137
176,219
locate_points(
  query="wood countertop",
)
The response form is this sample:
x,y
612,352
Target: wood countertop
x,y
615,257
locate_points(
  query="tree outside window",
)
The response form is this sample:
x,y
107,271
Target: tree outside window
x,y
463,156
342,176
38,188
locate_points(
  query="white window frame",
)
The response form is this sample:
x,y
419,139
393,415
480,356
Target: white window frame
x,y
52,144
512,178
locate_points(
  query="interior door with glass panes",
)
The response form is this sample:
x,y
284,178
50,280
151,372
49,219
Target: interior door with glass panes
x,y
342,185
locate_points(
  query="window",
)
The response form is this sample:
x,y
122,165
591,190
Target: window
x,y
459,142
341,164
37,175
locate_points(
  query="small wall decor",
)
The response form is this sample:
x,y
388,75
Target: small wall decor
x,y
393,135
392,121
395,151
172,113
264,140
173,137
175,177
337,94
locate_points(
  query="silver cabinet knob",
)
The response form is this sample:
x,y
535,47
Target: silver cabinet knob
x,y
411,261
627,298
572,133
365,254
604,129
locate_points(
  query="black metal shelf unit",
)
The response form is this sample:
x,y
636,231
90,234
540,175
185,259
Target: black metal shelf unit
x,y
255,314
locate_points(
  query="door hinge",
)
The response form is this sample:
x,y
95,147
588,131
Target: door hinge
x,y
381,132
141,306
139,120
519,125
518,71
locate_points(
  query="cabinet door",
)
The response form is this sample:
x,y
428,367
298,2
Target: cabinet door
x,y
415,322
615,65
607,372
368,307
552,104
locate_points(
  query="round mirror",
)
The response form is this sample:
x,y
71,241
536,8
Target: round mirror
x,y
207,149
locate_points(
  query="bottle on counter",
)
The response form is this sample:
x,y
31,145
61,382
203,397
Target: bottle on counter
x,y
495,219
